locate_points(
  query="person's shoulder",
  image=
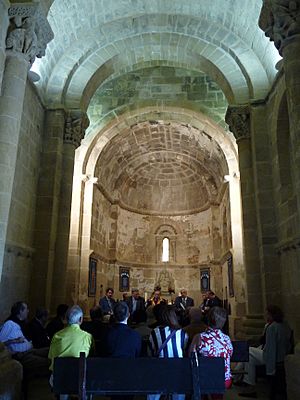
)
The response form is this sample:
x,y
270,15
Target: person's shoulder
x,y
9,324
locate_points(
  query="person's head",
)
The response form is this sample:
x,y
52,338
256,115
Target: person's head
x,y
61,310
216,317
135,293
125,296
195,315
121,312
204,296
20,310
157,311
183,292
274,313
169,317
156,294
96,313
109,292
211,294
74,315
42,314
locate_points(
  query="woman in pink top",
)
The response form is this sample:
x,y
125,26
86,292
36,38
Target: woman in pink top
x,y
214,343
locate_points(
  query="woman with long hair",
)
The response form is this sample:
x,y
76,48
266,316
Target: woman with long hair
x,y
168,340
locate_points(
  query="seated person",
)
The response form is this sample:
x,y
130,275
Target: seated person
x,y
214,343
140,318
58,322
70,341
98,329
277,345
168,340
122,341
34,361
36,329
196,324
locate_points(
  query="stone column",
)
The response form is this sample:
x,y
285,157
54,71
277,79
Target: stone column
x,y
27,36
238,119
75,126
280,20
4,21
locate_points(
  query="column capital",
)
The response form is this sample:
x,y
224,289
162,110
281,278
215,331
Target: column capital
x,y
238,120
76,124
280,20
29,31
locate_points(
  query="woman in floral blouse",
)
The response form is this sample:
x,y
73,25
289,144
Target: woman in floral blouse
x,y
214,343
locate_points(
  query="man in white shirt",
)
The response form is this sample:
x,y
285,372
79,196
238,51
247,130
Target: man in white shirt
x,y
35,361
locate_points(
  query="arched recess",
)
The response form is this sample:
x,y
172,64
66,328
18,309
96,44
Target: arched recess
x,y
85,162
165,232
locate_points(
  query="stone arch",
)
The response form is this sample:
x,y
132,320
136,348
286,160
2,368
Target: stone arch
x,y
88,154
162,232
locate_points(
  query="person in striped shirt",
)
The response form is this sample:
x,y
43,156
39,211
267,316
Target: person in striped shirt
x,y
168,340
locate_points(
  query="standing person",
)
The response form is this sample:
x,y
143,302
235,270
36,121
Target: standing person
x,y
156,298
214,343
135,303
107,302
168,341
213,300
182,302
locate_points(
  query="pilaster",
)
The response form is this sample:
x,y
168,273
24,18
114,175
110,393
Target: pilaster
x,y
27,36
4,21
76,123
238,119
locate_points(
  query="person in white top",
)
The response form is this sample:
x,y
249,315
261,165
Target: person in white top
x,y
35,361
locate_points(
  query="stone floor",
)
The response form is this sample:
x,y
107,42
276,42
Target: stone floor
x,y
39,390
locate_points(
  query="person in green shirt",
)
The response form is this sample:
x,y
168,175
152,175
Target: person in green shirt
x,y
70,341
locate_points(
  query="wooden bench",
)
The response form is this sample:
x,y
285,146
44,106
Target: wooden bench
x,y
141,376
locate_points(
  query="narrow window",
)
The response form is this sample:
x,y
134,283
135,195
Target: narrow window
x,y
166,250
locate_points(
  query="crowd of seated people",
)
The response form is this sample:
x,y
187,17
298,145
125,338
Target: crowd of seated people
x,y
135,328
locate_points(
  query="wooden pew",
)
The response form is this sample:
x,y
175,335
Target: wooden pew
x,y
140,376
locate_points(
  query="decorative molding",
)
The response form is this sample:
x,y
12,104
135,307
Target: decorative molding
x,y
29,31
238,120
75,127
280,20
19,251
288,245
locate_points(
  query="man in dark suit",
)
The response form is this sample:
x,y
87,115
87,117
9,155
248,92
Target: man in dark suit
x,y
122,341
183,302
107,302
135,303
213,300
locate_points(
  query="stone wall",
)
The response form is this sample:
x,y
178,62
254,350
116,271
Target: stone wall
x,y
120,237
19,247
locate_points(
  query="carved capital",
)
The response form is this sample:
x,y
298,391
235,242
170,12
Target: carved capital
x,y
29,31
280,20
238,120
75,127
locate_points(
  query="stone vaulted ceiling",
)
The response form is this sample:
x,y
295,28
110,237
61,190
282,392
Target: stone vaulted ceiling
x,y
98,38
162,168
115,59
